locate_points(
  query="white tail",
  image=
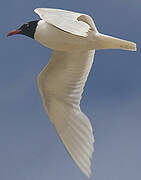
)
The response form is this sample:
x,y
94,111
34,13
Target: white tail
x,y
109,42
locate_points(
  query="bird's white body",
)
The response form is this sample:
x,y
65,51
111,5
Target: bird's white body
x,y
74,39
56,39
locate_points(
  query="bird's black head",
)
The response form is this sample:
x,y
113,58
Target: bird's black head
x,y
27,29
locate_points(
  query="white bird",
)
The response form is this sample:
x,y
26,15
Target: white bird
x,y
74,39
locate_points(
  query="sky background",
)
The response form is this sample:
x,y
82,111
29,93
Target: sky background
x,y
29,146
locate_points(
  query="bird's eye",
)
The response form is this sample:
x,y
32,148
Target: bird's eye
x,y
26,25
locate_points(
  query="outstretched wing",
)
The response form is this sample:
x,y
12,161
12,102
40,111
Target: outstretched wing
x,y
61,85
71,22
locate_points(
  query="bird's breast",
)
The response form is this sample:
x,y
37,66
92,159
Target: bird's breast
x,y
57,39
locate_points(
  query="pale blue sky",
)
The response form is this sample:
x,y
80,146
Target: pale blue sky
x,y
29,146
